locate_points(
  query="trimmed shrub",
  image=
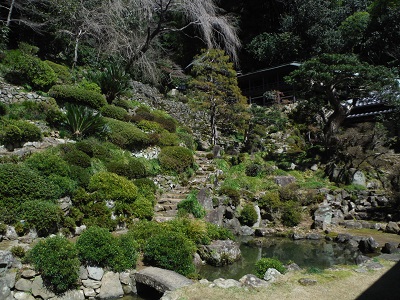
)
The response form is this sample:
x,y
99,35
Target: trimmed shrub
x,y
3,109
98,214
97,247
232,193
166,138
142,230
62,72
266,263
170,250
193,229
77,158
110,186
114,112
17,132
77,95
291,214
143,208
176,158
48,163
133,169
127,105
28,69
270,200
215,232
149,126
248,216
46,217
126,135
56,259
192,206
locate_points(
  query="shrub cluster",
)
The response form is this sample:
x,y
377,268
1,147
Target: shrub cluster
x,y
248,215
191,205
232,193
176,158
114,112
63,73
98,247
77,95
126,135
132,169
16,132
266,263
56,259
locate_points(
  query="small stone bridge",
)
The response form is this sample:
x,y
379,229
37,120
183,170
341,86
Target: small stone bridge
x,y
159,281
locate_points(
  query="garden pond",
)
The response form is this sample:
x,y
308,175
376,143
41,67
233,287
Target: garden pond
x,y
319,254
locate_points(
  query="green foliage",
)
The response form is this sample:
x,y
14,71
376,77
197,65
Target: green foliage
x,y
89,85
83,121
77,158
149,126
126,104
142,230
18,251
3,228
97,247
269,200
16,132
46,217
63,73
291,214
24,68
132,169
191,205
265,263
253,169
126,135
143,208
56,259
147,187
232,193
113,80
77,95
215,232
176,158
114,112
170,250
248,215
47,163
166,138
110,186
3,109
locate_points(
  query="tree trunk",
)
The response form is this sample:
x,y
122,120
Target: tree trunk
x,y
78,36
10,13
335,120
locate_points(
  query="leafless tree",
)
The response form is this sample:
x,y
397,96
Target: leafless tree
x,y
22,12
131,28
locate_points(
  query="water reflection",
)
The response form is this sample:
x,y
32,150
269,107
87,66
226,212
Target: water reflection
x,y
305,253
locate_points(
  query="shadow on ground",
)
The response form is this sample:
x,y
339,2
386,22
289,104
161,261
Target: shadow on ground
x,y
386,288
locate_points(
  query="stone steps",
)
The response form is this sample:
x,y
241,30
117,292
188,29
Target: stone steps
x,y
167,205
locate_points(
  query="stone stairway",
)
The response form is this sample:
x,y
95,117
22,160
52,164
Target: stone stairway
x,y
167,205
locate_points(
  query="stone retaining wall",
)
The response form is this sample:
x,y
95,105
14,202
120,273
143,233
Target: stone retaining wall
x,y
10,94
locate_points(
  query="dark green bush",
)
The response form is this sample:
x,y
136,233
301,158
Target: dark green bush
x,y
270,200
19,184
265,263
77,95
3,109
65,184
215,232
248,216
143,208
176,158
170,250
114,112
27,110
146,186
142,230
17,132
63,73
98,214
291,214
166,138
289,192
110,186
56,259
77,158
132,169
150,126
46,217
253,170
232,193
97,247
166,122
127,105
28,69
47,163
80,175
126,135
3,228
192,206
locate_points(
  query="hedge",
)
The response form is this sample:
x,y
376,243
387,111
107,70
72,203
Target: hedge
x,y
77,95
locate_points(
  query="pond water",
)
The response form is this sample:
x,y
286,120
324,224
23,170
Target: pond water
x,y
306,253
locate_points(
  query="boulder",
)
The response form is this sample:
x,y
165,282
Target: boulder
x,y
323,217
246,231
83,273
307,281
253,281
390,248
220,252
23,285
284,180
38,290
216,215
6,259
226,283
9,278
89,292
233,225
392,227
271,275
5,291
71,295
28,274
90,283
359,178
110,286
314,236
23,296
11,234
95,273
205,199
368,245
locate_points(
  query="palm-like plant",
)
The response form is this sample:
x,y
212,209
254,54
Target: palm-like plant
x,y
83,121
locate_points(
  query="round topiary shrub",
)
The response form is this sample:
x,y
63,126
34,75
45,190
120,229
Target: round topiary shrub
x,y
133,169
143,208
47,163
77,95
56,259
97,247
170,250
248,216
17,132
110,186
266,263
46,217
78,158
114,112
176,158
126,135
291,214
